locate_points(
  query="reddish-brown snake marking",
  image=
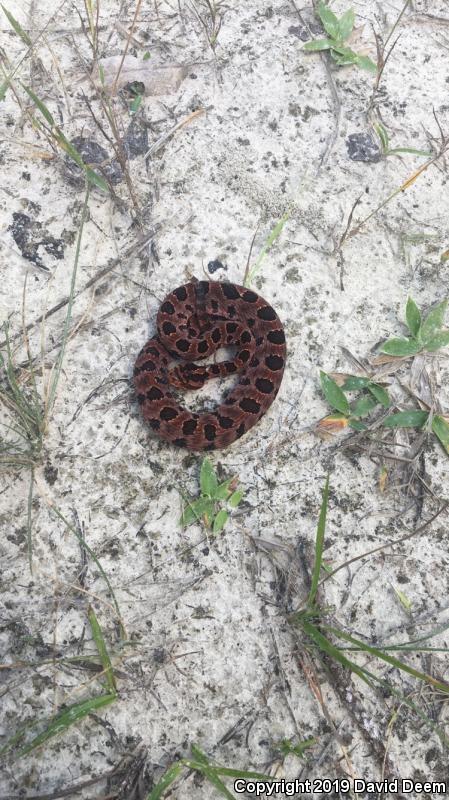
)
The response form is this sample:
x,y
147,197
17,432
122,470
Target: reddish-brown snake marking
x,y
193,322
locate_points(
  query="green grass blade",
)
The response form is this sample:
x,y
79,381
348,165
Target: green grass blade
x,y
94,558
41,106
68,317
167,779
395,662
102,650
17,27
319,543
272,238
65,719
329,649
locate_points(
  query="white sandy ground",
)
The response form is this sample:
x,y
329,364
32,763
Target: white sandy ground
x,y
211,658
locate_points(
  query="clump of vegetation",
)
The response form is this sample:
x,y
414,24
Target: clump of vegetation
x,y
328,643
21,744
427,335
207,507
338,32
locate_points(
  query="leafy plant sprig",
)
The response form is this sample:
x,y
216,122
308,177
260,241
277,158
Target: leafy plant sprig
x,y
351,414
206,507
425,335
338,32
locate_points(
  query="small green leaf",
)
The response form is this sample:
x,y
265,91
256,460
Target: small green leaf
x,y
17,27
440,427
433,322
102,650
357,426
403,599
318,44
407,419
355,382
363,407
136,103
334,395
196,510
380,394
401,347
223,491
208,478
346,24
146,56
413,317
440,339
365,63
329,20
220,521
319,545
235,498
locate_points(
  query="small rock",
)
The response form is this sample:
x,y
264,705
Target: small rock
x,y
214,265
362,147
135,142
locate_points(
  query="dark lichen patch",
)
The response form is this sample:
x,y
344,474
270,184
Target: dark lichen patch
x,y
30,236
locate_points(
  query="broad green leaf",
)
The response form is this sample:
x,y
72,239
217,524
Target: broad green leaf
x,y
220,521
319,544
413,317
441,339
363,406
433,322
208,478
401,347
334,395
197,509
318,44
346,24
355,382
329,20
102,650
365,63
407,419
223,491
357,426
67,717
235,498
17,27
440,427
380,394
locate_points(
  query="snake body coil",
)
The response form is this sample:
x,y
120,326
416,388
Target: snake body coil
x,y
194,321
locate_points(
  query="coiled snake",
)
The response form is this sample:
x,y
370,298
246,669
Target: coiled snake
x,y
193,322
